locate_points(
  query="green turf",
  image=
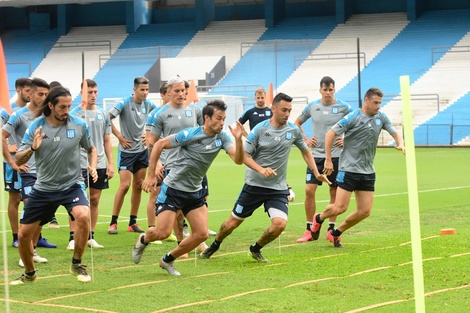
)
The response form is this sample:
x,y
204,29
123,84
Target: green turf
x,y
373,269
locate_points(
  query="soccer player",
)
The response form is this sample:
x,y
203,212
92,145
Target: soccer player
x,y
182,187
267,151
99,125
55,139
170,119
11,176
15,129
361,129
133,155
324,113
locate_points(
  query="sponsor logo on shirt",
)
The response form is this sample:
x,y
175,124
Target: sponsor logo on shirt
x,y
267,135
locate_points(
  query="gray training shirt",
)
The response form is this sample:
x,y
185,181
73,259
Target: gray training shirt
x,y
169,121
196,152
270,147
323,118
99,124
361,133
58,156
133,117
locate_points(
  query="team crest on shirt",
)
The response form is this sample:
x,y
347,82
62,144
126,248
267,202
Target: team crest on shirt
x,y
378,121
188,113
289,135
268,113
99,116
143,110
218,142
70,133
335,110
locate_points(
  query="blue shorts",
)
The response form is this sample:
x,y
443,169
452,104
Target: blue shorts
x,y
251,198
28,181
354,181
204,183
133,161
101,183
11,178
174,200
41,206
320,162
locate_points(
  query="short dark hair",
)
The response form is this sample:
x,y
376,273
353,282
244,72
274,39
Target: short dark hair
x,y
52,97
164,88
90,83
211,106
373,91
38,82
140,80
23,82
327,80
54,83
281,97
186,84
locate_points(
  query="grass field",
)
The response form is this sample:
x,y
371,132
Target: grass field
x,y
372,273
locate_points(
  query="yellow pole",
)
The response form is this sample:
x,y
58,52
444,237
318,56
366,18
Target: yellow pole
x,y
412,194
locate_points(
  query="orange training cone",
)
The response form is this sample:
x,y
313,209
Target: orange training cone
x,y
4,92
192,94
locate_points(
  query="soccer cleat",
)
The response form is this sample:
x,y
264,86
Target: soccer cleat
x,y
336,241
138,250
79,271
93,244
315,230
71,245
53,224
207,253
330,227
24,279
257,256
42,242
169,267
185,231
14,243
135,228
202,247
156,242
36,258
211,232
112,229
307,236
172,238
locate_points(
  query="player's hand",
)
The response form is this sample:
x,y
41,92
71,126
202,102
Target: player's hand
x,y
236,130
328,167
339,141
149,184
401,147
143,139
160,173
126,144
93,173
323,178
312,142
110,171
37,138
268,172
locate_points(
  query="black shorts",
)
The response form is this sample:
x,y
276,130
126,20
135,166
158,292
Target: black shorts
x,y
41,206
251,198
320,162
28,180
353,181
101,183
11,178
174,200
133,161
